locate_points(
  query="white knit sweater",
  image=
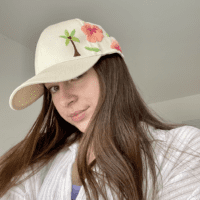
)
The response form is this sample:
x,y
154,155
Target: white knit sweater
x,y
180,172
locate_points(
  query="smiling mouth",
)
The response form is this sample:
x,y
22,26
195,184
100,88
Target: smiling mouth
x,y
73,115
79,117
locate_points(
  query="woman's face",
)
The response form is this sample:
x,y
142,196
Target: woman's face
x,y
77,94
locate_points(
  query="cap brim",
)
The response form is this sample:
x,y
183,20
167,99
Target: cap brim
x,y
31,90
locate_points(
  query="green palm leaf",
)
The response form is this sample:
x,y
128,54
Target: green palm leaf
x,y
75,39
66,33
67,42
72,33
64,37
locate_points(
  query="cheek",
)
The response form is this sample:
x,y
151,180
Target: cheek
x,y
57,106
94,91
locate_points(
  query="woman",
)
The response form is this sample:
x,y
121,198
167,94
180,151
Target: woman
x,y
115,148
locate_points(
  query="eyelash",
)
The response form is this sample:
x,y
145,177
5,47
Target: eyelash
x,y
77,78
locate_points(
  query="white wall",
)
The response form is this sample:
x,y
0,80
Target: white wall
x,y
181,110
16,66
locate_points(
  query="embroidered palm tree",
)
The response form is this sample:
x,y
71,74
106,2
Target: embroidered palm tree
x,y
72,39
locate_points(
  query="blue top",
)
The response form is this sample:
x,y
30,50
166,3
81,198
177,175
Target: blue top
x,y
75,191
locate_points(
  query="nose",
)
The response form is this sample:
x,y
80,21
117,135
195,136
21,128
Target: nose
x,y
65,94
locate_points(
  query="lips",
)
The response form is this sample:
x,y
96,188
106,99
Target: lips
x,y
77,112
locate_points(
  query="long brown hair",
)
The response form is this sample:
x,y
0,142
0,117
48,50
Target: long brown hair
x,y
115,130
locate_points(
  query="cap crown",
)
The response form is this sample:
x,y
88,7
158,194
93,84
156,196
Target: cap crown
x,y
70,39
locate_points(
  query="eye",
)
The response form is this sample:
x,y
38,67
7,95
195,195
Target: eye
x,y
77,78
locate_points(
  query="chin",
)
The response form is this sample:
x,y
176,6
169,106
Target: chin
x,y
82,128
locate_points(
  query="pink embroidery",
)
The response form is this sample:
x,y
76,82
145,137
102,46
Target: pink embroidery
x,y
93,33
115,45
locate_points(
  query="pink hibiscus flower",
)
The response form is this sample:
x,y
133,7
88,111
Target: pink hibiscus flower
x,y
93,33
115,45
